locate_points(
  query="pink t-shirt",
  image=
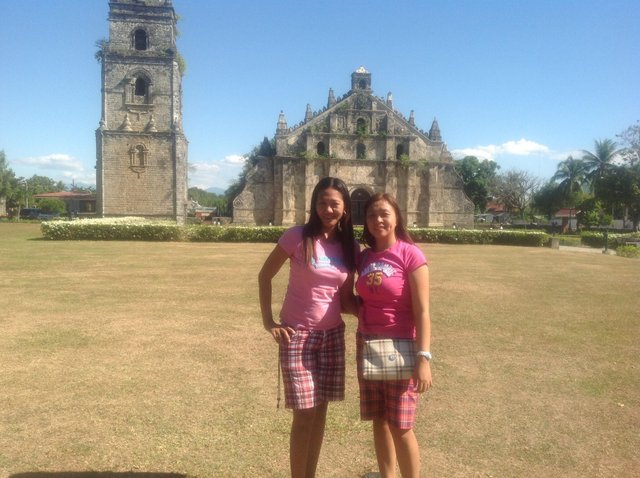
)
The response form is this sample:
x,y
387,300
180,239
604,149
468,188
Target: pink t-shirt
x,y
383,285
312,300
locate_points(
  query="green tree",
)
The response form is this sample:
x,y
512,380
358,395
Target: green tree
x,y
592,213
548,199
202,197
7,180
619,189
29,187
515,189
51,205
599,161
572,174
208,199
477,177
630,139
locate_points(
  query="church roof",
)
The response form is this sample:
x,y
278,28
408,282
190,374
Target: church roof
x,y
377,103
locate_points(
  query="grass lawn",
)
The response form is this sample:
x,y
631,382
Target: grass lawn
x,y
151,358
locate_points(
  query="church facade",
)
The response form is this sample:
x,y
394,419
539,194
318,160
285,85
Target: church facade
x,y
363,140
141,167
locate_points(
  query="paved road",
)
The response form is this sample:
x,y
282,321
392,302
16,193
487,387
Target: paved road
x,y
592,250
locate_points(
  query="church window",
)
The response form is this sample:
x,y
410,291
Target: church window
x,y
360,151
140,40
399,151
320,149
363,84
141,87
138,156
361,126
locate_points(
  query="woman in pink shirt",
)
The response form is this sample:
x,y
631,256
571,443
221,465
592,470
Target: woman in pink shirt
x,y
310,334
393,286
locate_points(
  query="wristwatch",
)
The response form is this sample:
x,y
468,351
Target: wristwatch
x,y
425,354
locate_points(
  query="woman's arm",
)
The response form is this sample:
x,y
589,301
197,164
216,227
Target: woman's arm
x,y
419,282
270,268
348,299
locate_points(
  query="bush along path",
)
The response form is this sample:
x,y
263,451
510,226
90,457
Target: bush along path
x,y
139,229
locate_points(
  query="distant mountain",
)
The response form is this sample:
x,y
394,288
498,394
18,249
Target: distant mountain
x,y
218,191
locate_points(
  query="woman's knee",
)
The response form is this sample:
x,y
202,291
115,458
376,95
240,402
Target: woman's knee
x,y
401,434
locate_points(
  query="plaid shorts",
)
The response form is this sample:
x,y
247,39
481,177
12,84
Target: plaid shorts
x,y
313,367
394,400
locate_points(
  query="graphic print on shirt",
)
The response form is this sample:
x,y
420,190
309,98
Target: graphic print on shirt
x,y
375,272
323,262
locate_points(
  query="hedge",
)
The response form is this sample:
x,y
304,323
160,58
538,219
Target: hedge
x,y
139,229
117,229
596,238
478,236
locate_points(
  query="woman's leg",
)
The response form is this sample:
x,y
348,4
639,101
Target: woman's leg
x,y
305,442
315,441
407,450
385,449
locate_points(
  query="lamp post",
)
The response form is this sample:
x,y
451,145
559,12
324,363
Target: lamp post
x,y
570,213
26,194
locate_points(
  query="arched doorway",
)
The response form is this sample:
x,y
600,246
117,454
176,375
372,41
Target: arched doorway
x,y
359,198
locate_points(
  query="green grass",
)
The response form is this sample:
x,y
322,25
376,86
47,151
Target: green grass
x,y
150,357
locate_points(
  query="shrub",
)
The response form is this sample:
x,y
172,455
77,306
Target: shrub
x,y
628,251
596,238
484,236
118,229
202,233
51,206
138,229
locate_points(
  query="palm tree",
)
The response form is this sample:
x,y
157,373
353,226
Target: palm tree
x,y
572,174
599,162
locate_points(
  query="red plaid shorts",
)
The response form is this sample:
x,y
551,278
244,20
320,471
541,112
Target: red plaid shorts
x,y
394,400
313,366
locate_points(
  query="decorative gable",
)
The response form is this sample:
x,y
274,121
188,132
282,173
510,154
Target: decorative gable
x,y
359,125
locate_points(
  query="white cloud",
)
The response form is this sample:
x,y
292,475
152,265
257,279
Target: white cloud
x,y
57,166
203,175
204,168
562,155
235,159
215,173
480,152
61,162
521,147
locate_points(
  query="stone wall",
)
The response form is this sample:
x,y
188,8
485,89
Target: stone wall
x,y
134,189
279,189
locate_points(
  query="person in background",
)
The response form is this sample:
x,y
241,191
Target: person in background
x,y
310,333
393,288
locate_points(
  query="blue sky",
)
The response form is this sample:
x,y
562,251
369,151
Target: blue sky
x,y
524,83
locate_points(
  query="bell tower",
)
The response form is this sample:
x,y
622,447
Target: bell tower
x,y
361,80
141,149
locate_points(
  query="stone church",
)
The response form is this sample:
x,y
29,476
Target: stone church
x,y
141,149
363,140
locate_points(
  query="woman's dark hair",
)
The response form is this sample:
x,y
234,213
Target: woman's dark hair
x,y
401,231
344,231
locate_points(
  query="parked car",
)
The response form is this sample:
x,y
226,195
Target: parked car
x,y
45,216
29,213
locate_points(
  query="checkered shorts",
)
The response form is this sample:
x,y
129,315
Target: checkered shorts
x,y
394,400
313,367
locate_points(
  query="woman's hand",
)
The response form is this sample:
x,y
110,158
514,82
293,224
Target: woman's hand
x,y
422,375
280,333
